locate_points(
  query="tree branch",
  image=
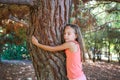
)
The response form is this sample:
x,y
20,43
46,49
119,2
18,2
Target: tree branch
x,y
103,26
22,2
13,18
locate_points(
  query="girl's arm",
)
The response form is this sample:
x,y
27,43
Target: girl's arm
x,y
50,48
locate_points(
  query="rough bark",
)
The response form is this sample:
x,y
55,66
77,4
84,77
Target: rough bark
x,y
47,23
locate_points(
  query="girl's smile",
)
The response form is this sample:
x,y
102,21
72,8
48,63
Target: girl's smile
x,y
69,34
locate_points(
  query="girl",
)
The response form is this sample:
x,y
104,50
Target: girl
x,y
73,48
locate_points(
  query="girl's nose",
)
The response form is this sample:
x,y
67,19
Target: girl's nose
x,y
65,35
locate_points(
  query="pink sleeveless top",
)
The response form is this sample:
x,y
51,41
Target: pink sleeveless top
x,y
73,63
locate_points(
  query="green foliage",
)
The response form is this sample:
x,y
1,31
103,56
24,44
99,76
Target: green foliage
x,y
12,51
106,32
114,34
13,45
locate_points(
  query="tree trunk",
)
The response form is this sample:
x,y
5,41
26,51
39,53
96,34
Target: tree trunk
x,y
48,18
109,55
119,57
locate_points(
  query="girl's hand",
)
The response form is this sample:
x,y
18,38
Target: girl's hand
x,y
34,41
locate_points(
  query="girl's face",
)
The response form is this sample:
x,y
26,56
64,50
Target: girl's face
x,y
69,34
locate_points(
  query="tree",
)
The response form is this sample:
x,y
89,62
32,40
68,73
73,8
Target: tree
x,y
47,23
47,20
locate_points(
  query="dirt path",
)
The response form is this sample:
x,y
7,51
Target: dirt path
x,y
23,70
16,70
102,71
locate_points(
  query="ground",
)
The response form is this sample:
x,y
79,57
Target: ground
x,y
23,70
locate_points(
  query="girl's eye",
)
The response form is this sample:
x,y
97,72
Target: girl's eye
x,y
69,33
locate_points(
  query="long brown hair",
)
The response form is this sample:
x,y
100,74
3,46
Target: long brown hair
x,y
79,37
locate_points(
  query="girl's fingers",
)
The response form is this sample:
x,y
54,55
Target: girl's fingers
x,y
34,40
33,37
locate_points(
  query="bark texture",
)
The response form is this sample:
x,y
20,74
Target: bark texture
x,y
48,18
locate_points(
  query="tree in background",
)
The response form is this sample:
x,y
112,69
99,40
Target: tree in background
x,y
104,35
